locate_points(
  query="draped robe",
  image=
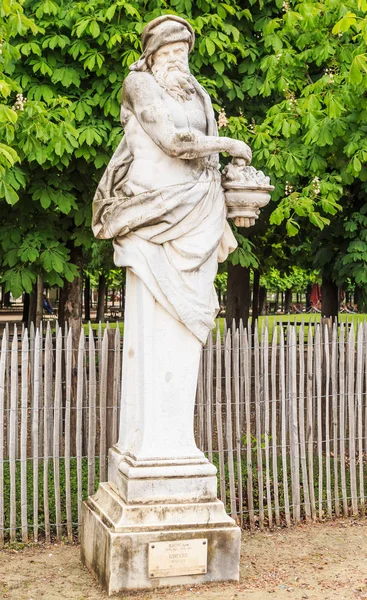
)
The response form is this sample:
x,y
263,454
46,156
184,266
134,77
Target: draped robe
x,y
171,238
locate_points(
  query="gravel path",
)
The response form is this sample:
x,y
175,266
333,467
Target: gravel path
x,y
325,561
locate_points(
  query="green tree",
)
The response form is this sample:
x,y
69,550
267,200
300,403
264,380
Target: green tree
x,y
12,23
311,137
288,76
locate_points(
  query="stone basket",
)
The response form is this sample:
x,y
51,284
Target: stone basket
x,y
244,201
246,191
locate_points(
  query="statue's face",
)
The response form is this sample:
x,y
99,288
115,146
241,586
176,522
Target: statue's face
x,y
170,56
170,67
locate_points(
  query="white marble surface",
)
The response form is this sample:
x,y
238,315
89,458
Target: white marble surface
x,y
162,202
161,198
160,369
116,537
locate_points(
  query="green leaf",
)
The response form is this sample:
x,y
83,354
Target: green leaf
x,y
286,130
13,283
29,254
292,227
67,76
8,192
357,164
81,26
11,257
94,29
18,281
110,12
345,23
316,219
8,156
52,260
27,278
290,164
358,66
44,195
219,66
70,272
210,46
277,216
47,7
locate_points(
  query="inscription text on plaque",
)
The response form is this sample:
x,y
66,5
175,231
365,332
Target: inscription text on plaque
x,y
180,557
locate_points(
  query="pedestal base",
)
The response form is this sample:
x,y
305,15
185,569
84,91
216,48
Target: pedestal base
x,y
116,537
137,480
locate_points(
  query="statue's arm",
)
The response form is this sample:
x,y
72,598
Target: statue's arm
x,y
142,95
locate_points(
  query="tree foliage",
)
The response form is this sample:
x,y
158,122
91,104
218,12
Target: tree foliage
x,y
295,279
13,22
289,75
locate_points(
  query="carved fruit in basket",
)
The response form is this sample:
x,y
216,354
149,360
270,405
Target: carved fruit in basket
x,y
246,191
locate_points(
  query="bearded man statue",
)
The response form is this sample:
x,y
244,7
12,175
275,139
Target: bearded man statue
x,y
161,201
161,197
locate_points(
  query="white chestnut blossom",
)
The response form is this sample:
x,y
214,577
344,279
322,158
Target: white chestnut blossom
x,y
19,102
222,119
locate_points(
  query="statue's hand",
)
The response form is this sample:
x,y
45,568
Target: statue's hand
x,y
244,222
239,149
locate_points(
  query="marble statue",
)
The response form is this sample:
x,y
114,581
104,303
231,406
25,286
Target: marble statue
x,y
162,203
161,197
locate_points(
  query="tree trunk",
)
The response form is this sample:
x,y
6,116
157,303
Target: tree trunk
x,y
106,300
101,298
26,302
359,298
329,302
255,298
32,306
39,301
329,299
63,293
287,301
7,302
70,303
238,294
276,307
308,297
262,300
70,310
87,298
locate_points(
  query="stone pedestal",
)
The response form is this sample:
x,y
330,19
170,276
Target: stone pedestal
x,y
160,487
116,537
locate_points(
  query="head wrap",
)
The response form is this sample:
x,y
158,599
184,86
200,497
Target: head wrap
x,y
166,29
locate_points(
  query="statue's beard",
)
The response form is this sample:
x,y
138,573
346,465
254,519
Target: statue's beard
x,y
176,79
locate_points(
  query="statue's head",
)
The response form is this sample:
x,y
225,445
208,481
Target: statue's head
x,y
167,42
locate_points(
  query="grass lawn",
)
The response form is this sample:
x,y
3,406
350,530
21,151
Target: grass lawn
x,y
73,485
270,320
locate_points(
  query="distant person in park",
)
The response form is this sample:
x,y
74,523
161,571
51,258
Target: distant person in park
x,y
315,298
47,306
160,197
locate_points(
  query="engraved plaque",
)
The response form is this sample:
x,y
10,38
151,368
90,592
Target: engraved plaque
x,y
179,557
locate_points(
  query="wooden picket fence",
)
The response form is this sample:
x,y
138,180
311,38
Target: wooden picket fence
x,y
281,412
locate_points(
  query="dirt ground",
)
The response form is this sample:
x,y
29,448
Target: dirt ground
x,y
325,561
